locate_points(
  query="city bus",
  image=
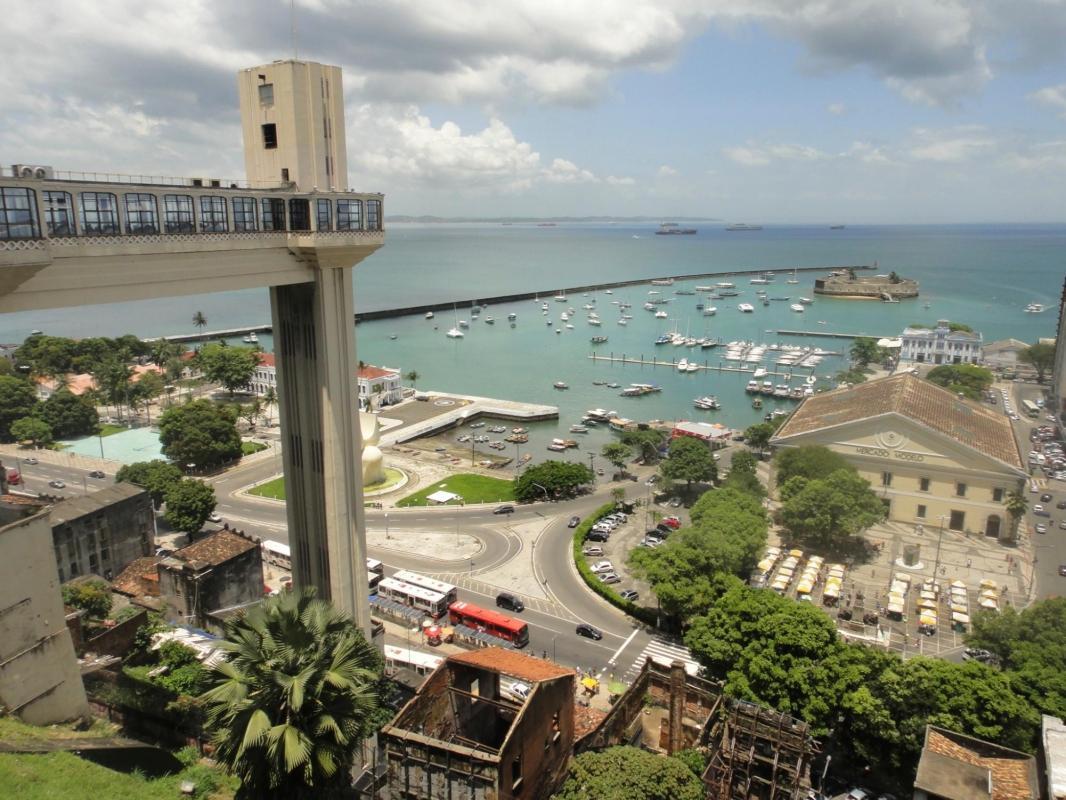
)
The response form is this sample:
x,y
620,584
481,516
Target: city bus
x,y
1031,409
414,660
491,622
425,600
373,565
277,554
415,579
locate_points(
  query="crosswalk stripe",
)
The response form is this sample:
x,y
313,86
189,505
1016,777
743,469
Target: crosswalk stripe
x,y
662,650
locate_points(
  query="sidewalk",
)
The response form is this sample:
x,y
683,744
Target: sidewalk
x,y
9,453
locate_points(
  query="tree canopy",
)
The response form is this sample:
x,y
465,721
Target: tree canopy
x,y
864,351
70,415
645,442
230,367
826,512
811,461
690,460
17,400
617,453
189,504
31,429
969,380
560,479
624,773
200,433
156,476
1041,357
91,596
289,708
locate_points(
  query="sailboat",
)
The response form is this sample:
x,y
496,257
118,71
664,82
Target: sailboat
x,y
793,278
454,332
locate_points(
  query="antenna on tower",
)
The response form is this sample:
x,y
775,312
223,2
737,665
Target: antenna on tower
x,y
292,29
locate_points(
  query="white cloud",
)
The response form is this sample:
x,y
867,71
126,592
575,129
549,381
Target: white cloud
x,y
614,180
666,171
1054,97
951,146
752,155
1040,156
836,109
867,153
563,171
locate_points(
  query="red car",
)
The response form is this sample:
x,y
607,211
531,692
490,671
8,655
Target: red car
x,y
672,522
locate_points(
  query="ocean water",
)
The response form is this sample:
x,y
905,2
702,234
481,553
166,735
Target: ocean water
x,y
980,275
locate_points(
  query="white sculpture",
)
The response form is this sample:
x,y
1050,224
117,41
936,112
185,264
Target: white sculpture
x,y
373,460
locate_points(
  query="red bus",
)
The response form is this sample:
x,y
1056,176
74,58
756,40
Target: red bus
x,y
491,622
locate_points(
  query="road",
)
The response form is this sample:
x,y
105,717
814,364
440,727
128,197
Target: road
x,y
36,477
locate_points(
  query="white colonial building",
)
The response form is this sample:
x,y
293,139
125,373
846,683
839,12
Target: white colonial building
x,y
378,386
940,345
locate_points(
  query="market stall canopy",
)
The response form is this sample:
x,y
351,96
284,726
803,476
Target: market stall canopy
x,y
440,496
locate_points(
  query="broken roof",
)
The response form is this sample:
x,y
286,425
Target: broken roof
x,y
216,548
75,507
140,578
954,761
508,662
968,423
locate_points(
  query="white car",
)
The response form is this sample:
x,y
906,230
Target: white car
x,y
214,516
593,551
518,690
602,566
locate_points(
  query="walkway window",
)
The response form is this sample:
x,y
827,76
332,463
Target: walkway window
x,y
373,215
244,213
921,512
178,215
997,495
18,214
958,520
99,214
299,214
266,94
213,215
273,214
349,215
886,478
923,484
270,136
322,215
960,489
141,213
59,214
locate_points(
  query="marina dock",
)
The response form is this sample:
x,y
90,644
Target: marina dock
x,y
707,365
829,335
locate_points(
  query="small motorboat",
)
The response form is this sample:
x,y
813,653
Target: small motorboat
x,y
561,385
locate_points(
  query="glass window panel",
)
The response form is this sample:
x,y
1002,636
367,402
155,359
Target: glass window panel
x,y
59,213
299,214
141,214
273,214
373,215
349,215
323,214
179,216
213,215
266,94
244,214
18,214
99,213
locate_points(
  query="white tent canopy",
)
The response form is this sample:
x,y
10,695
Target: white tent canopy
x,y
441,496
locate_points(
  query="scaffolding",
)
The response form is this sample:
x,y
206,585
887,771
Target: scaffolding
x,y
758,754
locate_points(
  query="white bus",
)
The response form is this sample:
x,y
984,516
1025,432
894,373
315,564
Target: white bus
x,y
277,554
414,660
1031,409
440,587
427,601
375,566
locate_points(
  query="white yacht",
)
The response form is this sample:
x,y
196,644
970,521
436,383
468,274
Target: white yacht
x,y
464,324
707,403
797,307
1034,308
682,365
454,333
806,301
793,278
710,311
746,308
251,338
661,315
759,373
561,297
429,315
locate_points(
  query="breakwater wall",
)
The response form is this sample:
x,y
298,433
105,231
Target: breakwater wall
x,y
386,313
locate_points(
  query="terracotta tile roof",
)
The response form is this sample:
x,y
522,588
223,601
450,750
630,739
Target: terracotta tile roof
x,y
370,373
586,720
508,662
1013,773
968,423
139,578
266,359
216,548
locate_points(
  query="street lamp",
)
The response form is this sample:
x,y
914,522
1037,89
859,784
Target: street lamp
x,y
593,471
547,497
939,539
386,525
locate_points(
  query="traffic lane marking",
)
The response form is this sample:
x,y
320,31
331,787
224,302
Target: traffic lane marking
x,y
624,645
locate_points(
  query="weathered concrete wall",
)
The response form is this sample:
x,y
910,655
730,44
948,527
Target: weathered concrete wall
x,y
865,287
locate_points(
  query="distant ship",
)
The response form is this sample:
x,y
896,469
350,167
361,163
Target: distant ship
x,y
672,229
740,226
836,227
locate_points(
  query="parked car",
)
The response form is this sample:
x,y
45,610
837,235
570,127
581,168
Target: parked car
x,y
31,461
1041,527
1045,498
518,690
214,516
96,473
57,484
504,510
597,536
1040,511
510,602
602,566
1061,504
574,521
629,594
609,577
671,522
593,551
977,654
589,632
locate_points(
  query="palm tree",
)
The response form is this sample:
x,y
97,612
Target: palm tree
x,y
292,703
270,399
1016,505
413,377
199,320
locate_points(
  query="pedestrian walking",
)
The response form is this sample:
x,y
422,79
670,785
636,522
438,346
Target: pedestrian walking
x,y
968,562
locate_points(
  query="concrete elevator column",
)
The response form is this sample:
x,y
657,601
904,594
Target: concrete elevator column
x,y
314,346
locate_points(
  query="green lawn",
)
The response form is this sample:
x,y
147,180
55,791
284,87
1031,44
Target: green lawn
x,y
472,488
106,429
247,448
274,489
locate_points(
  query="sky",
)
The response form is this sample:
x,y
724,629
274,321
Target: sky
x,y
761,111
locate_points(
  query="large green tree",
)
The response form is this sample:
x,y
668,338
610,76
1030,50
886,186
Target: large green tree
x,y
290,706
826,512
758,436
200,433
969,380
618,454
70,415
17,400
864,351
33,430
156,476
1041,357
230,367
559,479
628,773
811,461
690,460
189,504
645,442
1016,505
